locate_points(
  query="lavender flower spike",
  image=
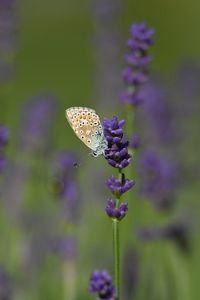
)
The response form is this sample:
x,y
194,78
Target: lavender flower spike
x,y
116,212
101,283
135,73
117,152
119,187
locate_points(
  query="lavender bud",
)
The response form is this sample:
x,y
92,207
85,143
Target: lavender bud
x,y
101,283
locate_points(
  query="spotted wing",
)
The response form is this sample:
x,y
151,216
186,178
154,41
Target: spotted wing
x,y
85,122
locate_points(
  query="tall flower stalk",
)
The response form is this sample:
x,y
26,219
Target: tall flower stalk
x,y
135,74
118,157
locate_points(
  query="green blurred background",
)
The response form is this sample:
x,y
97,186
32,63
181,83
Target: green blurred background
x,y
55,53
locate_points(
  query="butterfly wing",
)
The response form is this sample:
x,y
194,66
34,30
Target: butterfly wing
x,y
85,122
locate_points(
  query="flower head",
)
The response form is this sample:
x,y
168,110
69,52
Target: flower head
x,y
101,283
116,212
119,187
117,152
141,37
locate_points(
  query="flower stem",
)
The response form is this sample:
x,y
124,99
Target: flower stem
x,y
116,249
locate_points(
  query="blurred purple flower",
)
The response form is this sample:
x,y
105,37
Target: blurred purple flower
x,y
117,151
119,187
158,179
187,85
37,119
116,212
135,74
4,135
65,183
64,246
106,15
158,127
2,163
101,283
130,273
7,4
135,141
6,292
141,37
176,232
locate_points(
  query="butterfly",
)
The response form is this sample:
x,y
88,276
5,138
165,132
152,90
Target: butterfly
x,y
87,126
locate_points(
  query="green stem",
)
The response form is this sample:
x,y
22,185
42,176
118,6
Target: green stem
x,y
116,249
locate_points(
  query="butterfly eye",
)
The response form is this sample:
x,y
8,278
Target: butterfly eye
x,y
94,154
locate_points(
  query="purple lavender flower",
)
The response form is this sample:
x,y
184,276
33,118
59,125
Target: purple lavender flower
x,y
64,246
101,283
158,116
65,183
36,122
158,179
135,74
141,37
116,212
135,141
117,152
119,187
6,4
106,15
187,85
5,285
177,232
4,134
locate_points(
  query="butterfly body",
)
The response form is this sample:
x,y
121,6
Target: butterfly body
x,y
87,126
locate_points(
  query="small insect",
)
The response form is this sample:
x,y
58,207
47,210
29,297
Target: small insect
x,y
87,126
